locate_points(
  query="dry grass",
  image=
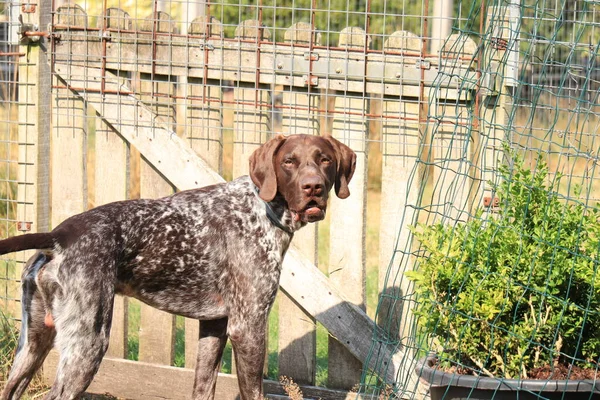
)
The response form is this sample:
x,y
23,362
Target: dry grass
x,y
291,388
8,344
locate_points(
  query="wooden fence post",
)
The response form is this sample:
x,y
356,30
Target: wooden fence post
x,y
251,124
452,136
488,154
251,119
111,149
348,217
204,127
297,330
204,130
157,328
399,191
69,139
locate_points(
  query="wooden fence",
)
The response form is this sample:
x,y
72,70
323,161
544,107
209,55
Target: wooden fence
x,y
156,101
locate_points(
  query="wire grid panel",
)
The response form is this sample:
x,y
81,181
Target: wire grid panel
x,y
19,145
496,277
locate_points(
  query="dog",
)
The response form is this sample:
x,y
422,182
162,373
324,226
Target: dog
x,y
212,254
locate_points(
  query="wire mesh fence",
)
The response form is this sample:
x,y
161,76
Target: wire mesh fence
x,y
9,148
448,106
505,288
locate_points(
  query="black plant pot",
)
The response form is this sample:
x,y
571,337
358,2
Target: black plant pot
x,y
452,386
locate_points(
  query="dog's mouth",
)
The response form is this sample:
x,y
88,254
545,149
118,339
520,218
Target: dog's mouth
x,y
311,212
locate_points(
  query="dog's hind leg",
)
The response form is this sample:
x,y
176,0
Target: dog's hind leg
x,y
36,339
82,317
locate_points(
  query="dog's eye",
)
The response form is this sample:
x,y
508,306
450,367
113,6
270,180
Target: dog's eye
x,y
325,160
288,162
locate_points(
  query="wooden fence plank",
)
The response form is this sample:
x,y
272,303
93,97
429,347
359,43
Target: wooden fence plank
x,y
154,139
487,151
69,195
251,117
452,138
400,148
348,219
69,139
157,328
204,127
297,330
251,122
110,149
329,305
204,131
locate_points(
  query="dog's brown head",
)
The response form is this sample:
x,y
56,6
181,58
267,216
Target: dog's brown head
x,y
302,169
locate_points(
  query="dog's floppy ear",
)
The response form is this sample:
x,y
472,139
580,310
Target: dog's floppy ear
x,y
346,164
262,168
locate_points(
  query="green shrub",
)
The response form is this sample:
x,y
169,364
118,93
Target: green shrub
x,y
507,292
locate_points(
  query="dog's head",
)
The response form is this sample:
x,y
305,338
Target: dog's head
x,y
302,169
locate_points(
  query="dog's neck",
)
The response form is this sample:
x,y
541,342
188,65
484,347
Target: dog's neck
x,y
278,214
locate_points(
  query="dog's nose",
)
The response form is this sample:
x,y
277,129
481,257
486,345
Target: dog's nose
x,y
312,186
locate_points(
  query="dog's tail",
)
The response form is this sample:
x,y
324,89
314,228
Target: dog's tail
x,y
28,241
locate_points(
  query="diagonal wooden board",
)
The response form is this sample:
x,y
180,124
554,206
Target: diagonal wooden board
x,y
179,164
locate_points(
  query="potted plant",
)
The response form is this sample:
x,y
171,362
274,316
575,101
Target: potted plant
x,y
509,301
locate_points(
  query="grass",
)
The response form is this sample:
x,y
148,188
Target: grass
x,y
8,343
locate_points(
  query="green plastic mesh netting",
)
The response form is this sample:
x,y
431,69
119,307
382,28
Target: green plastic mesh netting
x,y
498,276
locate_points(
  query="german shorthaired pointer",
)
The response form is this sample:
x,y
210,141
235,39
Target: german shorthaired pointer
x,y
213,254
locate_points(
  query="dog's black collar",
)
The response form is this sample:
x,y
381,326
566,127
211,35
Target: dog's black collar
x,y
275,220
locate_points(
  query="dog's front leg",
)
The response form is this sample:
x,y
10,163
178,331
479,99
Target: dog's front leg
x,y
213,336
248,339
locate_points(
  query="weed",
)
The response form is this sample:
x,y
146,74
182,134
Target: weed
x,y
291,388
8,346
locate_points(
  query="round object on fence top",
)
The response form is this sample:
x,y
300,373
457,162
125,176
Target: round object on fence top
x,y
458,45
301,33
403,41
249,29
71,14
201,23
118,19
164,23
354,37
